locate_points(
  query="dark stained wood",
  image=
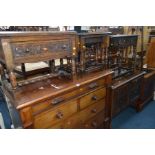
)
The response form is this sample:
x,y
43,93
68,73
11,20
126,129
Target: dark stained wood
x,y
147,90
92,51
59,98
126,92
128,77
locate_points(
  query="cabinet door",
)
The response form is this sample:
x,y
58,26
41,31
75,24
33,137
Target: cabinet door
x,y
120,98
135,89
148,87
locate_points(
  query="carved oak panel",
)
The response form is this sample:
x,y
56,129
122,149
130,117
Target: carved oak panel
x,y
32,49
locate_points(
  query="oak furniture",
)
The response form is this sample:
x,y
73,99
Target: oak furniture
x,y
127,77
58,97
93,48
148,85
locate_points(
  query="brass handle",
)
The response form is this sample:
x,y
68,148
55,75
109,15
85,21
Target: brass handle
x,y
94,124
93,85
57,100
93,110
94,98
59,115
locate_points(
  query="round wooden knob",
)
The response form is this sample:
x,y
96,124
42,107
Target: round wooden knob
x,y
59,115
94,98
84,47
94,124
45,49
93,110
74,48
27,50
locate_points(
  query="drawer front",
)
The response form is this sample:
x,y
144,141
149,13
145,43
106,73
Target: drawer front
x,y
96,122
53,116
92,110
77,121
57,126
92,97
92,85
74,122
25,52
51,103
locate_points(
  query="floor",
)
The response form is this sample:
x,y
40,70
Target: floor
x,y
128,119
5,113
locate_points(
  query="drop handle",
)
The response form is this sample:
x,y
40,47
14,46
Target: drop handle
x,y
93,110
94,124
94,98
93,85
57,100
59,115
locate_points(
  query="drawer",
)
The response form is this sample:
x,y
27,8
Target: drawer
x,y
55,115
96,122
92,97
77,120
92,110
73,122
50,103
92,85
56,126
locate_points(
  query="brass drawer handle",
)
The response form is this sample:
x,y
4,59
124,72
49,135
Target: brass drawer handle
x,y
59,115
94,124
93,85
57,100
93,110
94,98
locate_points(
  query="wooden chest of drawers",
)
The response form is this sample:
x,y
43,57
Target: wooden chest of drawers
x,y
81,103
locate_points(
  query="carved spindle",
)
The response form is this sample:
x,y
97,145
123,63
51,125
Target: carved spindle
x,y
13,80
83,58
52,66
73,62
23,70
61,62
1,69
68,61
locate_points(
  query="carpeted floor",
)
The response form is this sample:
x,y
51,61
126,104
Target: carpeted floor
x,y
5,114
130,119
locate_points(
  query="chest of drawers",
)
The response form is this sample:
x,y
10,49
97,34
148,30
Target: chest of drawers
x,y
81,103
